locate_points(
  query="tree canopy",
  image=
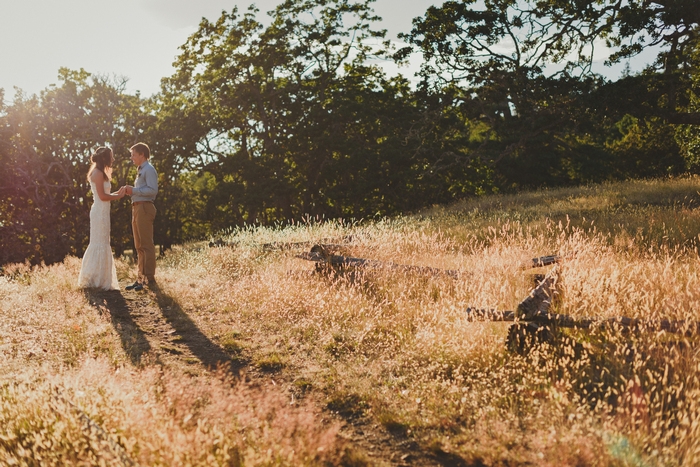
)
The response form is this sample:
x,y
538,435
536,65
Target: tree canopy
x,y
267,122
526,70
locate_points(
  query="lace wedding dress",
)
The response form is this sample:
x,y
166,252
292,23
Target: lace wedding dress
x,y
98,269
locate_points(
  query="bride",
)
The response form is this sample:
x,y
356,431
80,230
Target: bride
x,y
98,269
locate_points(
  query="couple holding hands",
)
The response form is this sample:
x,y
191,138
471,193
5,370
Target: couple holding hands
x,y
98,269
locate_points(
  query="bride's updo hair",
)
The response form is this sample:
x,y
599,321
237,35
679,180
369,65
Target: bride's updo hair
x,y
102,161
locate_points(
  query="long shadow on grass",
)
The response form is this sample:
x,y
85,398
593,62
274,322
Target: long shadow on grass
x,y
210,354
133,338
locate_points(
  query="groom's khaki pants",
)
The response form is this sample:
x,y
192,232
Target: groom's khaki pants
x,y
142,216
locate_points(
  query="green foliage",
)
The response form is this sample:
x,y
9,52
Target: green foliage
x,y
266,122
293,120
45,154
689,135
526,72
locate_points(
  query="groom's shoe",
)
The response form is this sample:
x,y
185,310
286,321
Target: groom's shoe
x,y
135,286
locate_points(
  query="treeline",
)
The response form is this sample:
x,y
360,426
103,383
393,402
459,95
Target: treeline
x,y
265,124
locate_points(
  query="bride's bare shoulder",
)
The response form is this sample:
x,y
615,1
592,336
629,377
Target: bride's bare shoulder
x,y
96,175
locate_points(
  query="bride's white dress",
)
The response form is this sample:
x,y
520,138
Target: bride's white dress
x,y
98,269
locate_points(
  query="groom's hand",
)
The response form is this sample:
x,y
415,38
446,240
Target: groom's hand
x,y
129,189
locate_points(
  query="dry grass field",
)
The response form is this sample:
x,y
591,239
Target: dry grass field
x,y
244,355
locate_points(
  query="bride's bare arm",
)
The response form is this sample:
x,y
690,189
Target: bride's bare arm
x,y
98,178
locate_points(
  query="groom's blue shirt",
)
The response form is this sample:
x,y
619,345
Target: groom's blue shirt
x,y
146,184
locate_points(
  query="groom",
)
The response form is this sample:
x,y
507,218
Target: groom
x,y
143,212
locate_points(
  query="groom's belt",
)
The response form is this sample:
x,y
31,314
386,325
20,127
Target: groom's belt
x,y
136,203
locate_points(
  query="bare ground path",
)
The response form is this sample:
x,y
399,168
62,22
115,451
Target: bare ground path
x,y
155,330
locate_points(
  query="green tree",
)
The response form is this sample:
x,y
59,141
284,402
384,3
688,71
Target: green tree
x,y
525,68
292,119
689,135
46,145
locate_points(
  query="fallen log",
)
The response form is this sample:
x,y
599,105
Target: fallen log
x,y
220,243
685,327
535,309
480,314
541,262
327,247
537,303
539,300
325,257
525,330
329,243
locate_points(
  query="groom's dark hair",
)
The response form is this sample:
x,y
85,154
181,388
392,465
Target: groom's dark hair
x,y
142,148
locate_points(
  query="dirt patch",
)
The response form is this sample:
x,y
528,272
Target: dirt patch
x,y
155,330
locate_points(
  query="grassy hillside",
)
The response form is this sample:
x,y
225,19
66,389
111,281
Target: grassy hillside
x,y
371,367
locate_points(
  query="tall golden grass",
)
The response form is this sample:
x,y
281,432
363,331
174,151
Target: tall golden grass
x,y
390,345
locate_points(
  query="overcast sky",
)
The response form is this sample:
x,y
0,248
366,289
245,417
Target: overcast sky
x,y
137,39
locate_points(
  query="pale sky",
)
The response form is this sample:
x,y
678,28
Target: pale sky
x,y
137,39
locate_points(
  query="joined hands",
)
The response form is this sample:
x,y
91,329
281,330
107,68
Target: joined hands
x,y
123,191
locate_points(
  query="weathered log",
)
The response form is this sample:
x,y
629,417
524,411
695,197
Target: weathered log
x,y
329,243
535,309
542,261
534,323
326,249
476,314
333,244
219,243
539,300
684,327
322,255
